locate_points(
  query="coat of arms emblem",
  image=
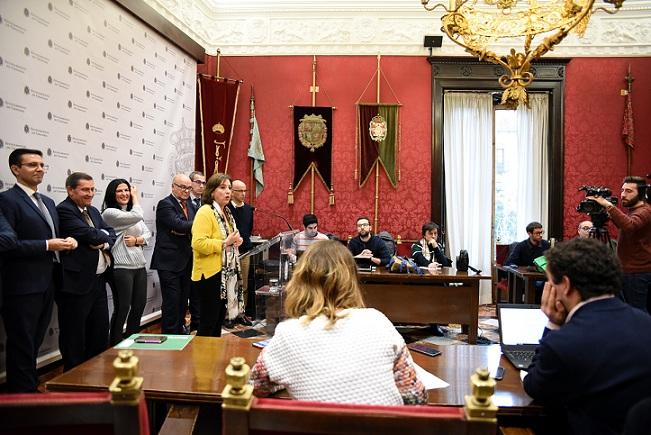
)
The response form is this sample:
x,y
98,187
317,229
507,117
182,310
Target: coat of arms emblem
x,y
377,128
312,131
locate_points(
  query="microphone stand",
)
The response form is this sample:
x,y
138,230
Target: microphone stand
x,y
274,215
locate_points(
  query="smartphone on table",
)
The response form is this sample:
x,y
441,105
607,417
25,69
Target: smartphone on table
x,y
422,348
150,339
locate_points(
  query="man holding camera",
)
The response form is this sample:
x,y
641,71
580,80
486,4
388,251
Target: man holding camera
x,y
633,241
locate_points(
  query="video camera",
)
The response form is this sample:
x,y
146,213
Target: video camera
x,y
591,206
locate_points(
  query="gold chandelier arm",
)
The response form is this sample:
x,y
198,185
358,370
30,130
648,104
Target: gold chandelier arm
x,y
608,11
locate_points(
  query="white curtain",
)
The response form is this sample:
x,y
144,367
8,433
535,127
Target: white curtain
x,y
532,175
468,157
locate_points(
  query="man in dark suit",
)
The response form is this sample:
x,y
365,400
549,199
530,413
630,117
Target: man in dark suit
x,y
243,215
7,243
31,269
82,303
198,186
172,255
594,358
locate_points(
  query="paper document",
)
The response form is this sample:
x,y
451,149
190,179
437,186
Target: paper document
x,y
430,381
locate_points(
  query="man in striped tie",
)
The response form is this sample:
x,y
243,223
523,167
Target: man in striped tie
x,y
31,269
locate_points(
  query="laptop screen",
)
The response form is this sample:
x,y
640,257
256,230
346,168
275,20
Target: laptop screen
x,y
520,323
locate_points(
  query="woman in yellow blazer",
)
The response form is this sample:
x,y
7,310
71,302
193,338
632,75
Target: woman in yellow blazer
x,y
215,266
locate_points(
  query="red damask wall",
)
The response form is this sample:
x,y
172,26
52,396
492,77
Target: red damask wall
x,y
593,150
283,81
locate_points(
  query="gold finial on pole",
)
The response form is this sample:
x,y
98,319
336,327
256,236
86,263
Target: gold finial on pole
x,y
314,88
377,96
331,199
127,386
237,393
479,406
217,67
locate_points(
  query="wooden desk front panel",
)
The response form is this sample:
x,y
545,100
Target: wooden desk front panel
x,y
431,303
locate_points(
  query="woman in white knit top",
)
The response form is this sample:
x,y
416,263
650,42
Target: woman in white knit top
x,y
121,210
332,349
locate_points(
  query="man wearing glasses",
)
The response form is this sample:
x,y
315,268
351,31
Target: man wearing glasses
x,y
584,229
172,256
198,186
367,245
243,215
529,249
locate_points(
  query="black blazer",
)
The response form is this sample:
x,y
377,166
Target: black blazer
x,y
173,236
80,265
28,266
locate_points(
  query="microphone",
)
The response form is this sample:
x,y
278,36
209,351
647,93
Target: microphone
x,y
274,215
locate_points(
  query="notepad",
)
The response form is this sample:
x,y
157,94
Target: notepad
x,y
261,344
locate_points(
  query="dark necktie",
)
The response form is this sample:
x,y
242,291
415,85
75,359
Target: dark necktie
x,y
87,218
184,206
197,202
48,218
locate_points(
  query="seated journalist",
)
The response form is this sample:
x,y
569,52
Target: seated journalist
x,y
332,349
529,249
594,359
427,251
368,245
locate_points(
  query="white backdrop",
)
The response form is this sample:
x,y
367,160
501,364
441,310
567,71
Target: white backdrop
x,y
100,92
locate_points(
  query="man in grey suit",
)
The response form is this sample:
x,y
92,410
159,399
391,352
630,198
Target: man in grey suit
x,y
31,270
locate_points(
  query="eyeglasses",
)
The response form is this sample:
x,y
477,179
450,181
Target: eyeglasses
x,y
539,233
33,165
240,191
363,225
203,183
585,228
184,188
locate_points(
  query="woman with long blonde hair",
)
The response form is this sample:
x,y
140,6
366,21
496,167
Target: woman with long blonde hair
x,y
332,348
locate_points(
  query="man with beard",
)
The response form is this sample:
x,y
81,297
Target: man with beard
x,y
367,245
633,241
529,249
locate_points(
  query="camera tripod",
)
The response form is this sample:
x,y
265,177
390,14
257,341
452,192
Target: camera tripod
x,y
599,230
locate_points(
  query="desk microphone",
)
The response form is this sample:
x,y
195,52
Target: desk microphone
x,y
477,271
274,215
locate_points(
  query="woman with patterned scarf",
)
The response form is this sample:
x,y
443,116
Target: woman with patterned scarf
x,y
216,264
427,251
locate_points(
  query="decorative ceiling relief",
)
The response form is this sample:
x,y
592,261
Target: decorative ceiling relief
x,y
390,27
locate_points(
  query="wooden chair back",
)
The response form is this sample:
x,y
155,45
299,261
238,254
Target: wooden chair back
x,y
243,414
121,411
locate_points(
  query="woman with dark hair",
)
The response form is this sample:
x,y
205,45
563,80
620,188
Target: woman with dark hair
x,y
427,252
332,349
121,210
216,264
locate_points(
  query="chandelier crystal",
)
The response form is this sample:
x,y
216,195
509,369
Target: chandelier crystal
x,y
537,25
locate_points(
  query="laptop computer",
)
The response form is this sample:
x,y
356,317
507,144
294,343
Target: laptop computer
x,y
521,327
364,264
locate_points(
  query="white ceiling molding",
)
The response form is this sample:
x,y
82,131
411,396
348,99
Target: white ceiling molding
x,y
367,27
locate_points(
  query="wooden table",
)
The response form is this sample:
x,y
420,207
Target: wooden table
x,y
521,280
447,296
195,375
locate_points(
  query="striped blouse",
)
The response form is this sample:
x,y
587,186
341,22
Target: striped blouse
x,y
127,223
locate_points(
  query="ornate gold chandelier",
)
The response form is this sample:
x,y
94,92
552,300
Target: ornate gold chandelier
x,y
477,25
